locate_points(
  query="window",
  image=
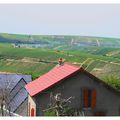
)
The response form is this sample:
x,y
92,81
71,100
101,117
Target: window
x,y
89,98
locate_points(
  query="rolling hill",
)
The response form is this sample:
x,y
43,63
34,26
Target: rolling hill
x,y
38,61
37,54
56,41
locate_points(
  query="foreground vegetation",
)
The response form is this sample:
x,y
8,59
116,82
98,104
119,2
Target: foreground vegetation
x,y
113,81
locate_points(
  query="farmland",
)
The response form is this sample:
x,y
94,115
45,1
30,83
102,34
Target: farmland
x,y
38,61
37,54
53,41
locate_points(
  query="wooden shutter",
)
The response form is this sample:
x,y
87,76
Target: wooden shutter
x,y
85,97
93,102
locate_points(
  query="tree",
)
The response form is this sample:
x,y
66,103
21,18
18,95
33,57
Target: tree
x,y
5,97
61,107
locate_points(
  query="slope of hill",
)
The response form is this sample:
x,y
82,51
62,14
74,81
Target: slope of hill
x,y
55,41
37,54
39,61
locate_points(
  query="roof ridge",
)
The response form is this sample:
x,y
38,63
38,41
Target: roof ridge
x,y
69,63
57,66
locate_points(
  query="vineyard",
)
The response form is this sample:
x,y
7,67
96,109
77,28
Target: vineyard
x,y
39,61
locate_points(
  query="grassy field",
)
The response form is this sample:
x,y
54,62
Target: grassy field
x,y
40,61
37,54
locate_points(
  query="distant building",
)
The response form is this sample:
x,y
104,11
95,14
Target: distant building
x,y
14,93
16,45
91,95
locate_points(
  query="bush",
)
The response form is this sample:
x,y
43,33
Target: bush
x,y
113,81
49,113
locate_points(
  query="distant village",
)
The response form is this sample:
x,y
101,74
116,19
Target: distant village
x,y
66,90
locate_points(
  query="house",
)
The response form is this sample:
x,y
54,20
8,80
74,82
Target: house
x,y
12,90
91,95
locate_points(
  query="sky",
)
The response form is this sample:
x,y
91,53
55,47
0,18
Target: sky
x,y
61,19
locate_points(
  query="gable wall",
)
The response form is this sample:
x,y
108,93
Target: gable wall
x,y
31,105
107,100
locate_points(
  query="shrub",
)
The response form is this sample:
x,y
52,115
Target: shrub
x,y
113,81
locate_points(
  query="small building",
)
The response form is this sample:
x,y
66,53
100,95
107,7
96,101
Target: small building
x,y
12,90
16,45
91,95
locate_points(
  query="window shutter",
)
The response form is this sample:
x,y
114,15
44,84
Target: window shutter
x,y
93,102
85,97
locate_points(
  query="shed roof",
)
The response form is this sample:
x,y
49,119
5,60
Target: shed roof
x,y
10,80
54,76
14,83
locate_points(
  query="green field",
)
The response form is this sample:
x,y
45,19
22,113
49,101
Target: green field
x,y
40,61
37,54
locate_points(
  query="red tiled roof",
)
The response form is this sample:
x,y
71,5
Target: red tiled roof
x,y
52,77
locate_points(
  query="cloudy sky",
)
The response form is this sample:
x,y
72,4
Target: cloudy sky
x,y
61,19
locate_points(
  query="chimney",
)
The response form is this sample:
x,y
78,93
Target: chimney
x,y
60,61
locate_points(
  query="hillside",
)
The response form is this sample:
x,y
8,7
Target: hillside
x,y
37,54
54,41
38,61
